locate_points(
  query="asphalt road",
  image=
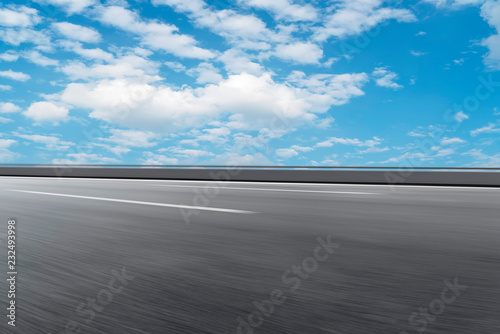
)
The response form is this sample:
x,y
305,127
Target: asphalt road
x,y
130,256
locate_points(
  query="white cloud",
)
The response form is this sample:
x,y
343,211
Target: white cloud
x,y
284,9
51,143
334,89
19,16
302,53
483,160
258,100
214,135
77,32
36,58
237,62
385,78
454,4
9,56
94,54
421,33
238,159
17,36
350,141
8,107
415,134
157,159
46,112
330,162
205,73
69,6
417,53
131,138
302,148
460,117
451,141
353,17
19,76
490,11
490,128
286,153
5,87
125,66
156,35
246,31
373,150
175,66
84,158
187,153
117,150
5,154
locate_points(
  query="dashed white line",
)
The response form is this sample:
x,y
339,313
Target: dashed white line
x,y
179,206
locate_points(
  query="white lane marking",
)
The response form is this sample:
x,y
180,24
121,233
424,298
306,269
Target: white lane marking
x,y
188,207
251,182
289,190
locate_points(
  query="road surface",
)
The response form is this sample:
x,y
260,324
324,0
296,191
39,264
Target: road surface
x,y
139,256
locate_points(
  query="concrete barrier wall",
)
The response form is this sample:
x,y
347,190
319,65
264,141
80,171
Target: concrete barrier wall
x,y
405,177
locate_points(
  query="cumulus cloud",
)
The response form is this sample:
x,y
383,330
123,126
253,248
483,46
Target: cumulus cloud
x,y
8,107
42,112
126,66
131,138
17,36
353,17
238,159
69,6
150,158
490,11
284,9
385,78
370,143
77,32
300,52
482,159
236,62
92,54
286,153
258,100
19,16
246,31
5,154
460,117
9,56
175,66
37,58
205,73
156,35
50,142
451,141
490,128
186,153
84,158
19,76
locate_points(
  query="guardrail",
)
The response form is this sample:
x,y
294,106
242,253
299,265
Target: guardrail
x,y
452,176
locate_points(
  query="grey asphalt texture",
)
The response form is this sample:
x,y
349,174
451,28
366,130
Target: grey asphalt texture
x,y
398,249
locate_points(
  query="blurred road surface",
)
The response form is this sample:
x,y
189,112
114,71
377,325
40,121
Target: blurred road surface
x,y
137,256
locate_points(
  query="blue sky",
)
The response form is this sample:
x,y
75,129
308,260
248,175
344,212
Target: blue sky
x,y
253,82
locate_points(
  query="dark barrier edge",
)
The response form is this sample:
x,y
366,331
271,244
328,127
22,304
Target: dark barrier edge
x,y
389,177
